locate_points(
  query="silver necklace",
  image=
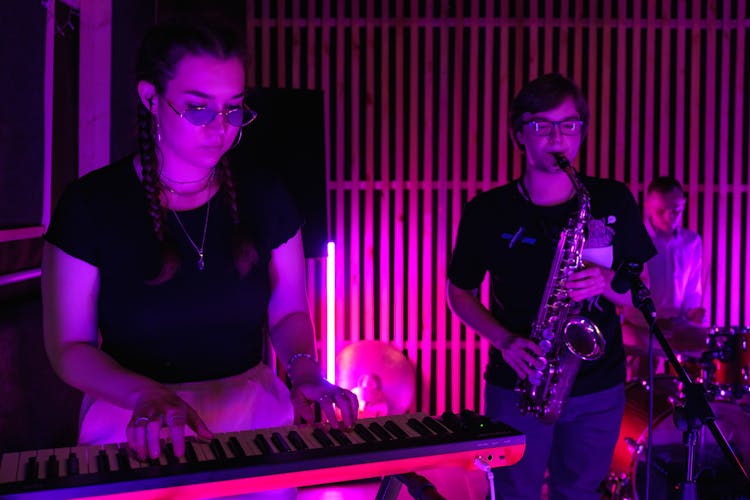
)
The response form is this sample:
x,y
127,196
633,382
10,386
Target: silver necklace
x,y
199,250
187,193
208,179
195,181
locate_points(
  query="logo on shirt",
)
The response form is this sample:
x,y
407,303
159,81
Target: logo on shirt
x,y
518,238
600,232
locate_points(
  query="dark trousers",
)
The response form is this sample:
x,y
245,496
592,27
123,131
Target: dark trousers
x,y
577,448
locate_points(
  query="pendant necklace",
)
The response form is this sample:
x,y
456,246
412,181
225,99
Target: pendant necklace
x,y
208,180
195,181
199,250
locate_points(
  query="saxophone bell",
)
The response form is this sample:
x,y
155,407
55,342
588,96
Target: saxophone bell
x,y
584,339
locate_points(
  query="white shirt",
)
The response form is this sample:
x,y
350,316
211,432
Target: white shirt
x,y
675,275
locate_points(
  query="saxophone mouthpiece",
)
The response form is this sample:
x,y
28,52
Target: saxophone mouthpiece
x,y
561,159
563,163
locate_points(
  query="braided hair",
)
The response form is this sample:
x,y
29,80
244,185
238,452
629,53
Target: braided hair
x,y
164,46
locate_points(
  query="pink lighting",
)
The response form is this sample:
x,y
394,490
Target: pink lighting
x,y
331,312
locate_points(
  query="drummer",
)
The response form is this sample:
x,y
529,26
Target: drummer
x,y
674,277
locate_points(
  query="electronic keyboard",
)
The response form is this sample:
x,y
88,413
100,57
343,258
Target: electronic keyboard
x,y
250,461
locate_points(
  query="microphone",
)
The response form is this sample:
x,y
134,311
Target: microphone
x,y
628,277
622,281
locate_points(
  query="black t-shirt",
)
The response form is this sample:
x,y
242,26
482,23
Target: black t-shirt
x,y
199,325
514,240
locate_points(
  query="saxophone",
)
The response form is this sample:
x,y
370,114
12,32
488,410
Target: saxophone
x,y
565,337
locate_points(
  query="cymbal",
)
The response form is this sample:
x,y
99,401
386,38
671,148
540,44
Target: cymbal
x,y
683,337
371,365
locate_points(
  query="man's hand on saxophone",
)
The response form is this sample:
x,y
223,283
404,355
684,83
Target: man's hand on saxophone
x,y
521,354
595,280
588,282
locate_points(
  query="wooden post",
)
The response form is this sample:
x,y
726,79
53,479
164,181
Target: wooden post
x,y
95,84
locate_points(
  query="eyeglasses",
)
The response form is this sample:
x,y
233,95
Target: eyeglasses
x,y
201,116
544,127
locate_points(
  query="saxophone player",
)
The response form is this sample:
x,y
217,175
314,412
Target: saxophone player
x,y
512,233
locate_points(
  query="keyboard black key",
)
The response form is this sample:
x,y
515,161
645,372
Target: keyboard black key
x,y
321,437
218,450
123,461
73,465
263,445
190,454
31,470
418,426
340,437
435,426
281,444
297,440
52,469
451,421
235,447
169,454
395,430
365,434
378,430
102,461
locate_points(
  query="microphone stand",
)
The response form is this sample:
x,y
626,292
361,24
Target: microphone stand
x,y
696,412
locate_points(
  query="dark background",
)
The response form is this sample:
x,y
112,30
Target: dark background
x,y
21,123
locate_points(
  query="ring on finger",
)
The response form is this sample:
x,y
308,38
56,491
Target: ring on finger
x,y
142,421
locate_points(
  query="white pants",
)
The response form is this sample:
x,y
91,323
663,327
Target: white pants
x,y
255,399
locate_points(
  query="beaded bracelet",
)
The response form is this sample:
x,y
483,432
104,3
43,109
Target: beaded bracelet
x,y
296,357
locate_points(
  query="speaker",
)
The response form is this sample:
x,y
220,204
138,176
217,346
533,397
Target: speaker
x,y
288,139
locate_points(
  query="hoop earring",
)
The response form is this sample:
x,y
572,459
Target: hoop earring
x,y
236,140
158,130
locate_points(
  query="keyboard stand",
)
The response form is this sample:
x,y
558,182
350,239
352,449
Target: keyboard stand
x,y
419,487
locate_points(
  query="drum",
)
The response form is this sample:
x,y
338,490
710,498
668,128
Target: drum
x,y
715,476
633,430
700,370
728,347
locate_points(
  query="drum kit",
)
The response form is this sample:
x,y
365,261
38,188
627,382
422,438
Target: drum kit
x,y
723,368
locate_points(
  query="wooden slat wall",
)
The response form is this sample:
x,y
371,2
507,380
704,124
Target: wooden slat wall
x,y
417,96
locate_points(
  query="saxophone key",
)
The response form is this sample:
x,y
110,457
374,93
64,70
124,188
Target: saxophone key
x,y
546,346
